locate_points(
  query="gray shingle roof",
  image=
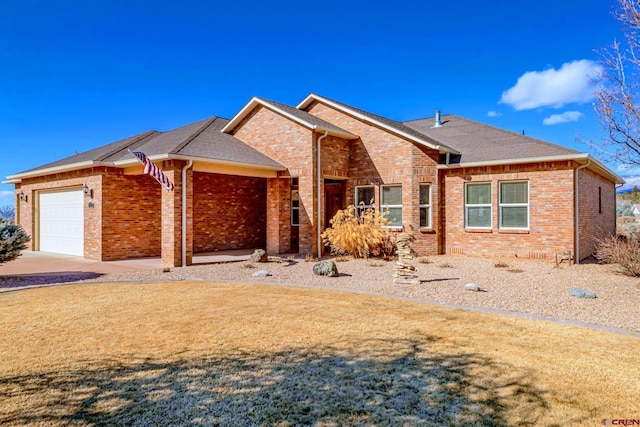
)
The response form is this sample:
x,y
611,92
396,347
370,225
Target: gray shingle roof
x,y
201,139
478,142
389,123
101,153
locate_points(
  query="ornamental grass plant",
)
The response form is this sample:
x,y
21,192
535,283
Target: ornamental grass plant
x,y
359,234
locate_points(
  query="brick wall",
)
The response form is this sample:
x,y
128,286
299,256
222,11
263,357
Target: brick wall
x,y
131,216
31,187
293,146
380,157
551,210
229,212
278,218
597,210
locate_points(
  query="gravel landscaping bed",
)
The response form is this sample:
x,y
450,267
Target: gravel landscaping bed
x,y
520,286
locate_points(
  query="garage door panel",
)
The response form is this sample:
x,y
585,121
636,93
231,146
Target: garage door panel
x,y
62,222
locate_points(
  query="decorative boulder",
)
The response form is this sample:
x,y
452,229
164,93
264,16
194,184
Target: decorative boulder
x,y
325,268
261,273
472,287
259,255
581,293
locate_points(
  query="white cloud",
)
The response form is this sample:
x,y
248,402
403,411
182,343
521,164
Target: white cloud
x,y
553,88
492,113
566,117
631,181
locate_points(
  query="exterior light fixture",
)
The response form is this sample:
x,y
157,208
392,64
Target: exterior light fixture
x,y
21,195
87,191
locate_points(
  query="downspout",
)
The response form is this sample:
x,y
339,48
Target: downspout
x,y
577,215
319,203
184,212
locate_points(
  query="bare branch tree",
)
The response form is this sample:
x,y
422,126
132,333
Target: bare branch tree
x,y
7,212
617,102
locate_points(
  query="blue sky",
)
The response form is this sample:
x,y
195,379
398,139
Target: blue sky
x,y
75,75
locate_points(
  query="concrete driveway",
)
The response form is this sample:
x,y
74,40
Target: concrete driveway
x,y
41,263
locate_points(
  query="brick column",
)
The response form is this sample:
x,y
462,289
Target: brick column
x,y
172,216
278,215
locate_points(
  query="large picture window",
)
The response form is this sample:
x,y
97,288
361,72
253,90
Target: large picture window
x,y
478,205
514,204
365,198
425,205
391,204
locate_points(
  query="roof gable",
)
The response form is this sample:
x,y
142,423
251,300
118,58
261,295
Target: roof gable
x,y
380,121
298,116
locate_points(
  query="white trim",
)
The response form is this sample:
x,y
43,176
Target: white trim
x,y
431,144
128,162
56,169
475,205
383,206
16,179
428,206
514,205
578,157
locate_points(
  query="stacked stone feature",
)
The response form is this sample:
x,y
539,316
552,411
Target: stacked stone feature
x,y
404,271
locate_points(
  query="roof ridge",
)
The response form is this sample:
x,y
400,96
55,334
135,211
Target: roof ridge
x,y
194,135
391,124
136,140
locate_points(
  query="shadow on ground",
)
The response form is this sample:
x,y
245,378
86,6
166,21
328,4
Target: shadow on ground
x,y
23,280
396,383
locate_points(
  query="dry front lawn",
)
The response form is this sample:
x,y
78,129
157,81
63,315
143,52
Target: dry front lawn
x,y
204,353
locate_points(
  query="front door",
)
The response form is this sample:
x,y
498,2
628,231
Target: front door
x,y
333,201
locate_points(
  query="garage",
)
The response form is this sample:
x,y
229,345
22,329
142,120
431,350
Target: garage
x,y
62,222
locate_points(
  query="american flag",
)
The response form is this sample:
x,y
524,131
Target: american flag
x,y
154,171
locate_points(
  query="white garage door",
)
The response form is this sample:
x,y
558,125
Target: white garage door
x,y
62,222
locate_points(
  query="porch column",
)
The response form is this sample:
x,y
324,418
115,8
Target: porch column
x,y
172,216
278,215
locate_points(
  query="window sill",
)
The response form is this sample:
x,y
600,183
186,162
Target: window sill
x,y
514,231
478,230
394,228
427,230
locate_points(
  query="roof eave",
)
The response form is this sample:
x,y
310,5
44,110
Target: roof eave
x,y
229,163
430,144
582,158
17,178
130,162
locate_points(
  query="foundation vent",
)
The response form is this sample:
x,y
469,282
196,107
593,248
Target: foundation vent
x,y
537,255
456,251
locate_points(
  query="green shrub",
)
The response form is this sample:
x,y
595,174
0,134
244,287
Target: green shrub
x,y
360,236
621,251
13,239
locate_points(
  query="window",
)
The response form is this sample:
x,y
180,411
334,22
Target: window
x,y
425,205
295,208
391,203
514,204
599,200
365,197
478,205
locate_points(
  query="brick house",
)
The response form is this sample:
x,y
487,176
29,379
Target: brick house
x,y
274,175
